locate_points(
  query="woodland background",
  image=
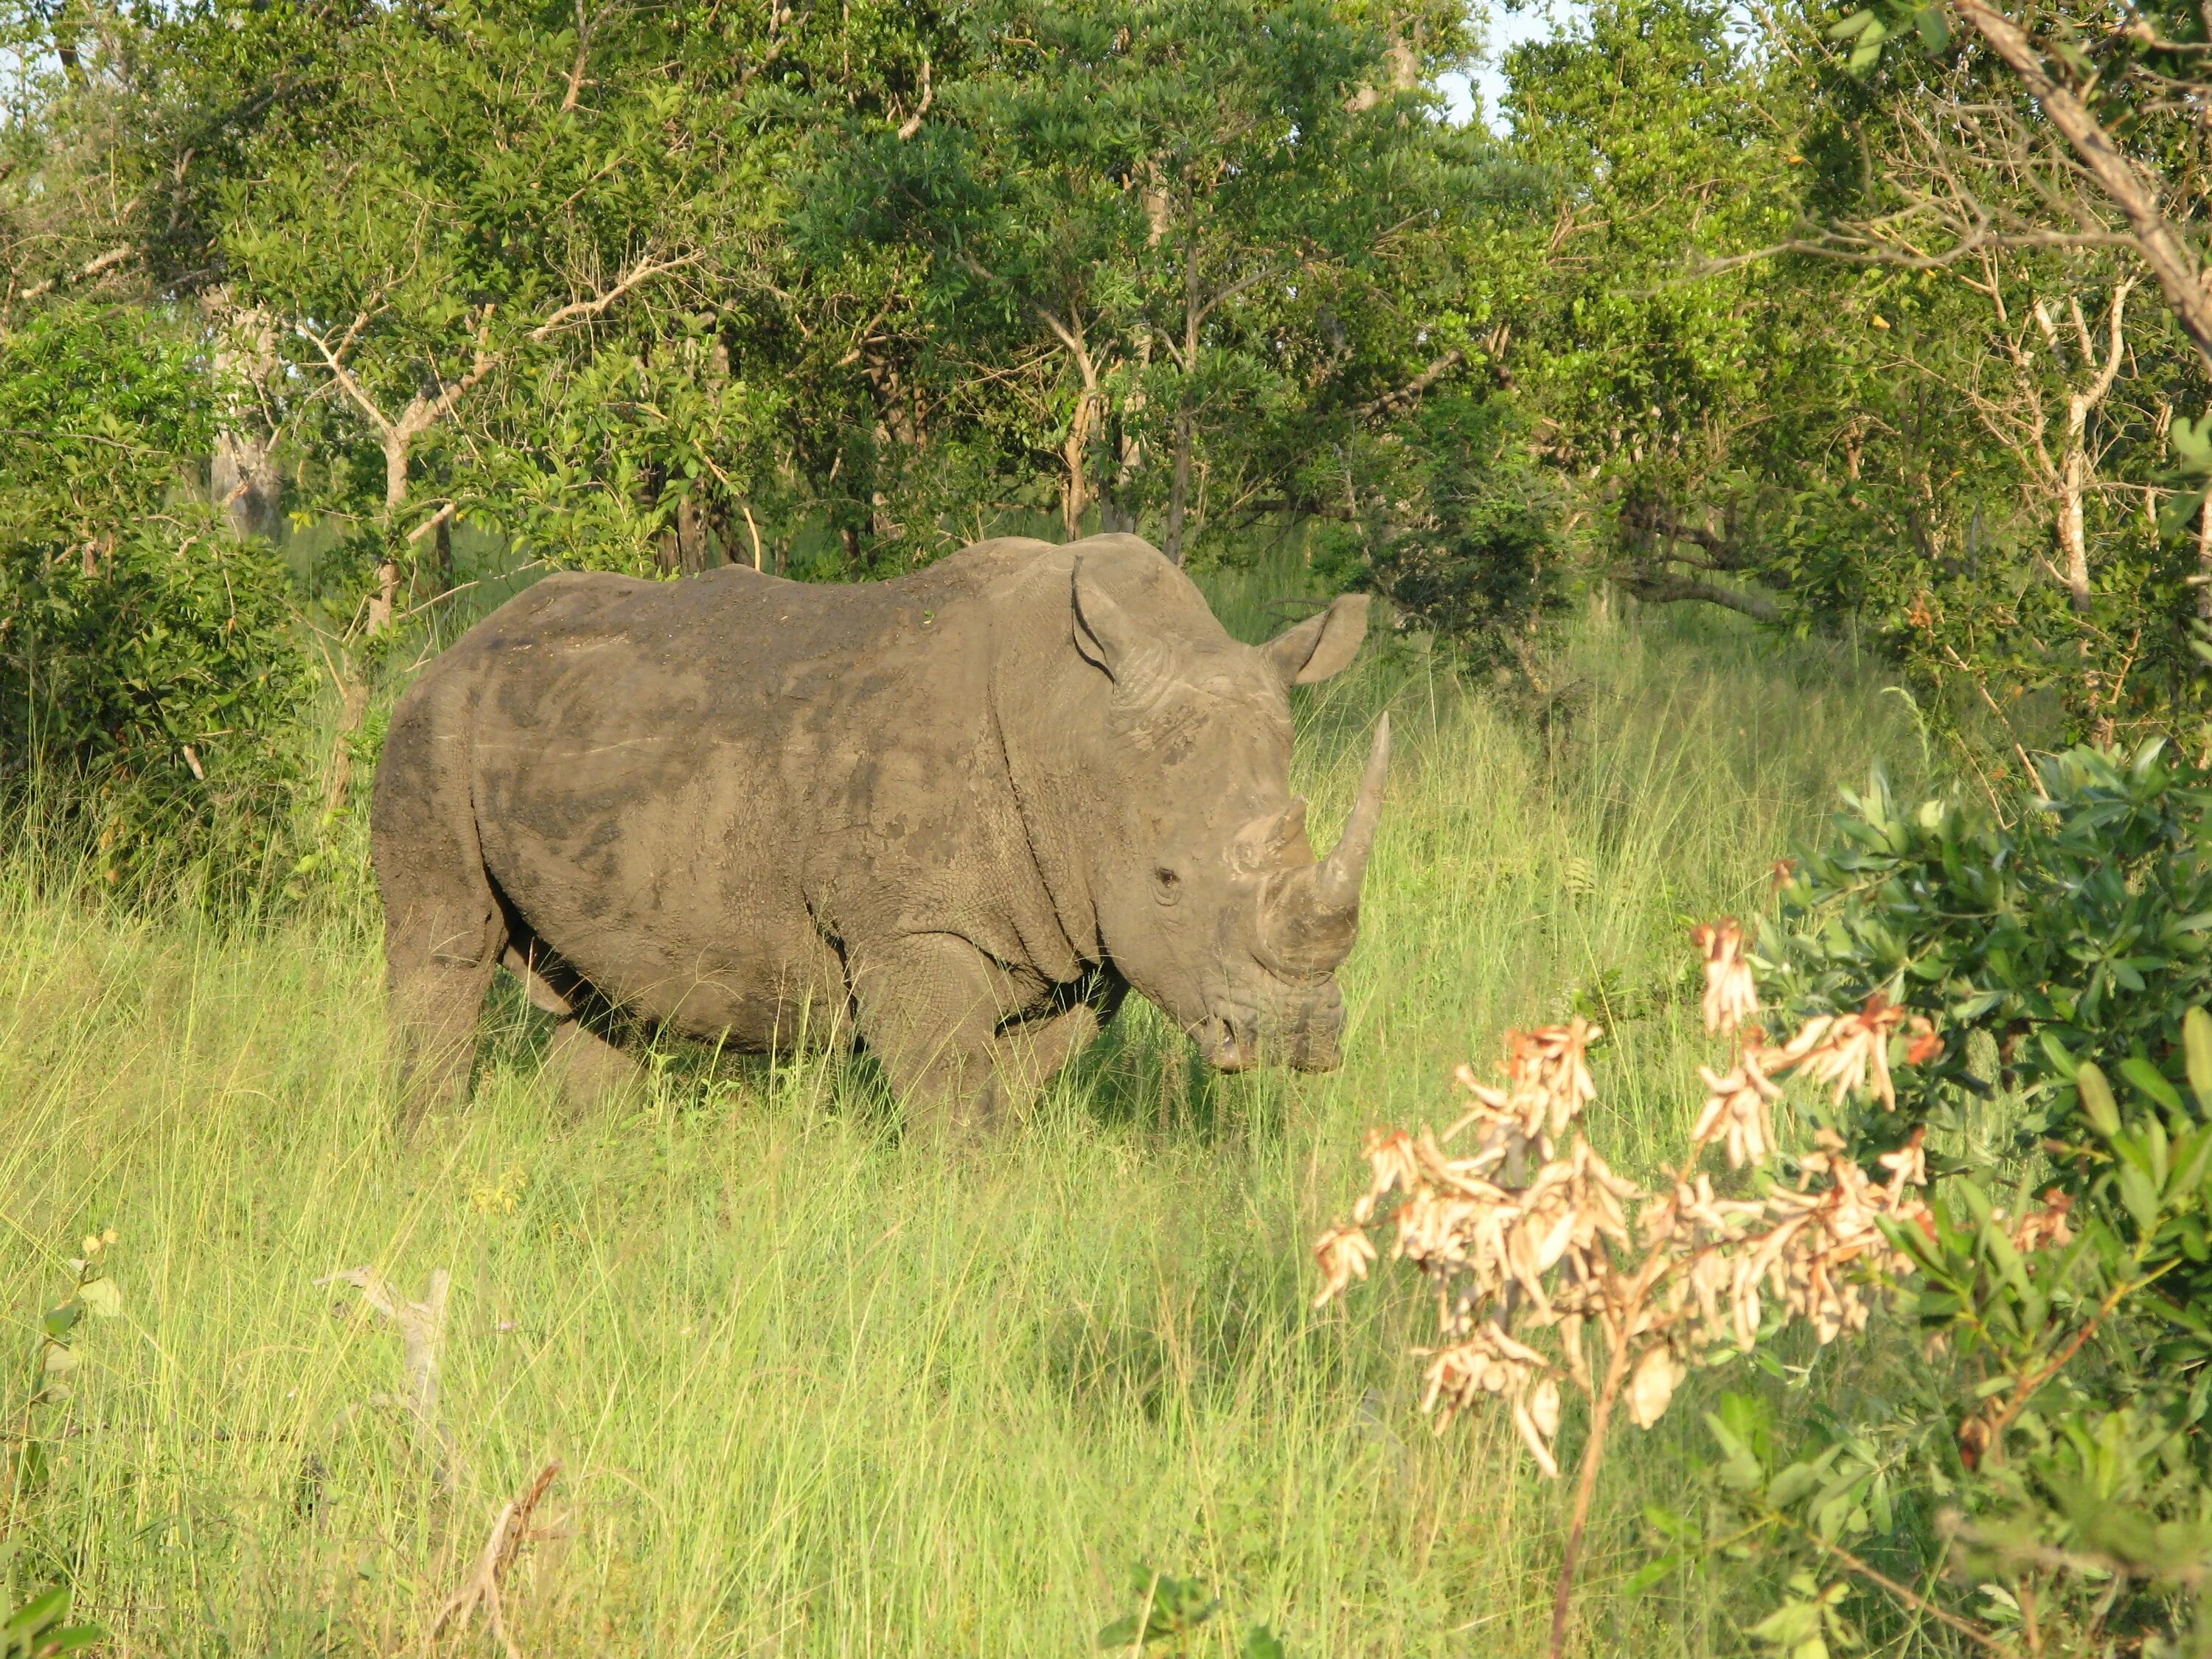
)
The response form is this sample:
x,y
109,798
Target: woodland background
x,y
316,316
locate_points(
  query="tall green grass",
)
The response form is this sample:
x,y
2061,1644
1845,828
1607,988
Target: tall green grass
x,y
818,1391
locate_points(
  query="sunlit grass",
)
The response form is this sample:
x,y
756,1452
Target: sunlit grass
x,y
816,1391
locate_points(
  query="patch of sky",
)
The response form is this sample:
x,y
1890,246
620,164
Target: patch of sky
x,y
1481,92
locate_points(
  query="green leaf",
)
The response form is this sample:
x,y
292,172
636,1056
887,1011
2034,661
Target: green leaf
x,y
1739,1470
2147,1077
1799,1480
1651,1572
1969,1191
2140,1197
2193,441
2197,1044
1790,1627
35,1615
1668,1523
102,1298
2096,1100
2193,1158
1121,1634
1934,32
1260,1643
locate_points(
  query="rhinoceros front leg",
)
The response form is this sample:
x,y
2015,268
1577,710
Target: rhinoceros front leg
x,y
930,1008
1027,1057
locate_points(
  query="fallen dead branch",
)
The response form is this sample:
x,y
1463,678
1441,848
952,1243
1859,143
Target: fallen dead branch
x,y
422,1341
510,1531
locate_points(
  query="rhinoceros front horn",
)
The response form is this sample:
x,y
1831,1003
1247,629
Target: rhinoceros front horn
x,y
1313,915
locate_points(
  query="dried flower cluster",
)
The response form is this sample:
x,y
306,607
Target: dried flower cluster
x,y
1528,1238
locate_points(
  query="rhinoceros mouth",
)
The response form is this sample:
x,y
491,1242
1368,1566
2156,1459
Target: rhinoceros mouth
x,y
1227,1047
1240,1042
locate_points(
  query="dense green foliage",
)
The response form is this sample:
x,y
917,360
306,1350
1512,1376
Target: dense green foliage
x,y
150,681
649,288
2054,1440
2082,931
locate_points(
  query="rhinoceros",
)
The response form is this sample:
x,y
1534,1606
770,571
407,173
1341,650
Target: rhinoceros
x,y
956,816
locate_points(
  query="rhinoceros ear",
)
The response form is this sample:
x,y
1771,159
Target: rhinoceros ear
x,y
1320,645
1104,633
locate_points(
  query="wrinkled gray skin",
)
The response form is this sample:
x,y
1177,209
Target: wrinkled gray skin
x,y
957,815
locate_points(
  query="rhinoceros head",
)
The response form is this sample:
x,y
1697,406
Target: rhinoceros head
x,y
1209,896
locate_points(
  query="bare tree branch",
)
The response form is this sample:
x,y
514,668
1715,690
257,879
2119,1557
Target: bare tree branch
x,y
334,360
1390,402
2179,271
912,125
84,273
1665,587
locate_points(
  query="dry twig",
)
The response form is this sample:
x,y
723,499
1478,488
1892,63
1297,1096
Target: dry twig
x,y
1529,1238
510,1531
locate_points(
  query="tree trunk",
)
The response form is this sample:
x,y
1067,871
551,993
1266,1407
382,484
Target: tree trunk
x,y
1601,1405
242,477
353,708
1126,451
694,537
1179,483
383,603
1114,513
243,481
1179,487
442,555
398,447
684,548
1075,491
2072,541
2204,560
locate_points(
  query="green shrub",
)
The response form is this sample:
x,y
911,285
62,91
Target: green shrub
x,y
149,706
2040,1442
1471,547
2081,932
150,684
101,407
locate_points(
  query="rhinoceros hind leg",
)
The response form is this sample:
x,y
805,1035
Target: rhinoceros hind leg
x,y
442,939
582,1064
586,1068
435,1038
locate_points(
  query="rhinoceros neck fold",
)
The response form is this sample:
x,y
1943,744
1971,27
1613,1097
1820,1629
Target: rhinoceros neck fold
x,y
1048,716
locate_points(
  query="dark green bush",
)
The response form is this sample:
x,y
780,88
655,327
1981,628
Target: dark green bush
x,y
2080,931
156,698
2039,1433
1466,540
150,683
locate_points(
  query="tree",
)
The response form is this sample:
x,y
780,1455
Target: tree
x,y
1125,226
1995,172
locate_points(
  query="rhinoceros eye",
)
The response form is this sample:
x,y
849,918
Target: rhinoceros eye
x,y
1167,886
